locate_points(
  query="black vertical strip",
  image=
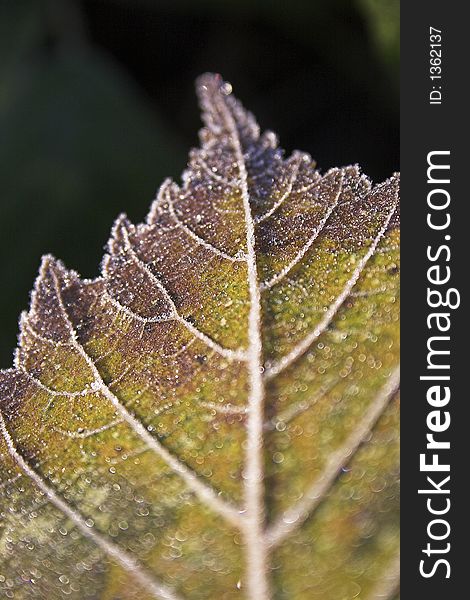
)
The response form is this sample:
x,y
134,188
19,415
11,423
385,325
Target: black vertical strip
x,y
426,128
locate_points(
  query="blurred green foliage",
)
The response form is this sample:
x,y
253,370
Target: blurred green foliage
x,y
97,107
383,17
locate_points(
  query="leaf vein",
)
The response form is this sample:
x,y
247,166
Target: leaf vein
x,y
303,346
294,516
303,251
195,237
238,354
192,480
287,193
257,552
149,582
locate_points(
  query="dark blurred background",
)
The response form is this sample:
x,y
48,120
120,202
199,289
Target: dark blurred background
x,y
97,106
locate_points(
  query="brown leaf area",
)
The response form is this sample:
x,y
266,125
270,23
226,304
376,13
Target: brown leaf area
x,y
216,414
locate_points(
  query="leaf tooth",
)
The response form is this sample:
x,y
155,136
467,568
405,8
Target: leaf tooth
x,y
156,207
269,139
116,232
126,280
44,306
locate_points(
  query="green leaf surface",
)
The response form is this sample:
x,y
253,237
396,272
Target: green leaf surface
x,y
216,414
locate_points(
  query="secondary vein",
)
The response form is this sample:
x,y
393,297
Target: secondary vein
x,y
148,581
192,480
295,515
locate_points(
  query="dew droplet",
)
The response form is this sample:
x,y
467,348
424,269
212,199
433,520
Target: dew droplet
x,y
226,88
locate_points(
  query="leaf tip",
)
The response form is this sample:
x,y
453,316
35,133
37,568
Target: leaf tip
x,y
222,112
209,83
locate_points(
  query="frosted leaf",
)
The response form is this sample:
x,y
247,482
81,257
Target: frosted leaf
x,y
216,414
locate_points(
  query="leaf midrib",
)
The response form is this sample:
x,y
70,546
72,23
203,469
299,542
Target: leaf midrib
x,y
254,524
